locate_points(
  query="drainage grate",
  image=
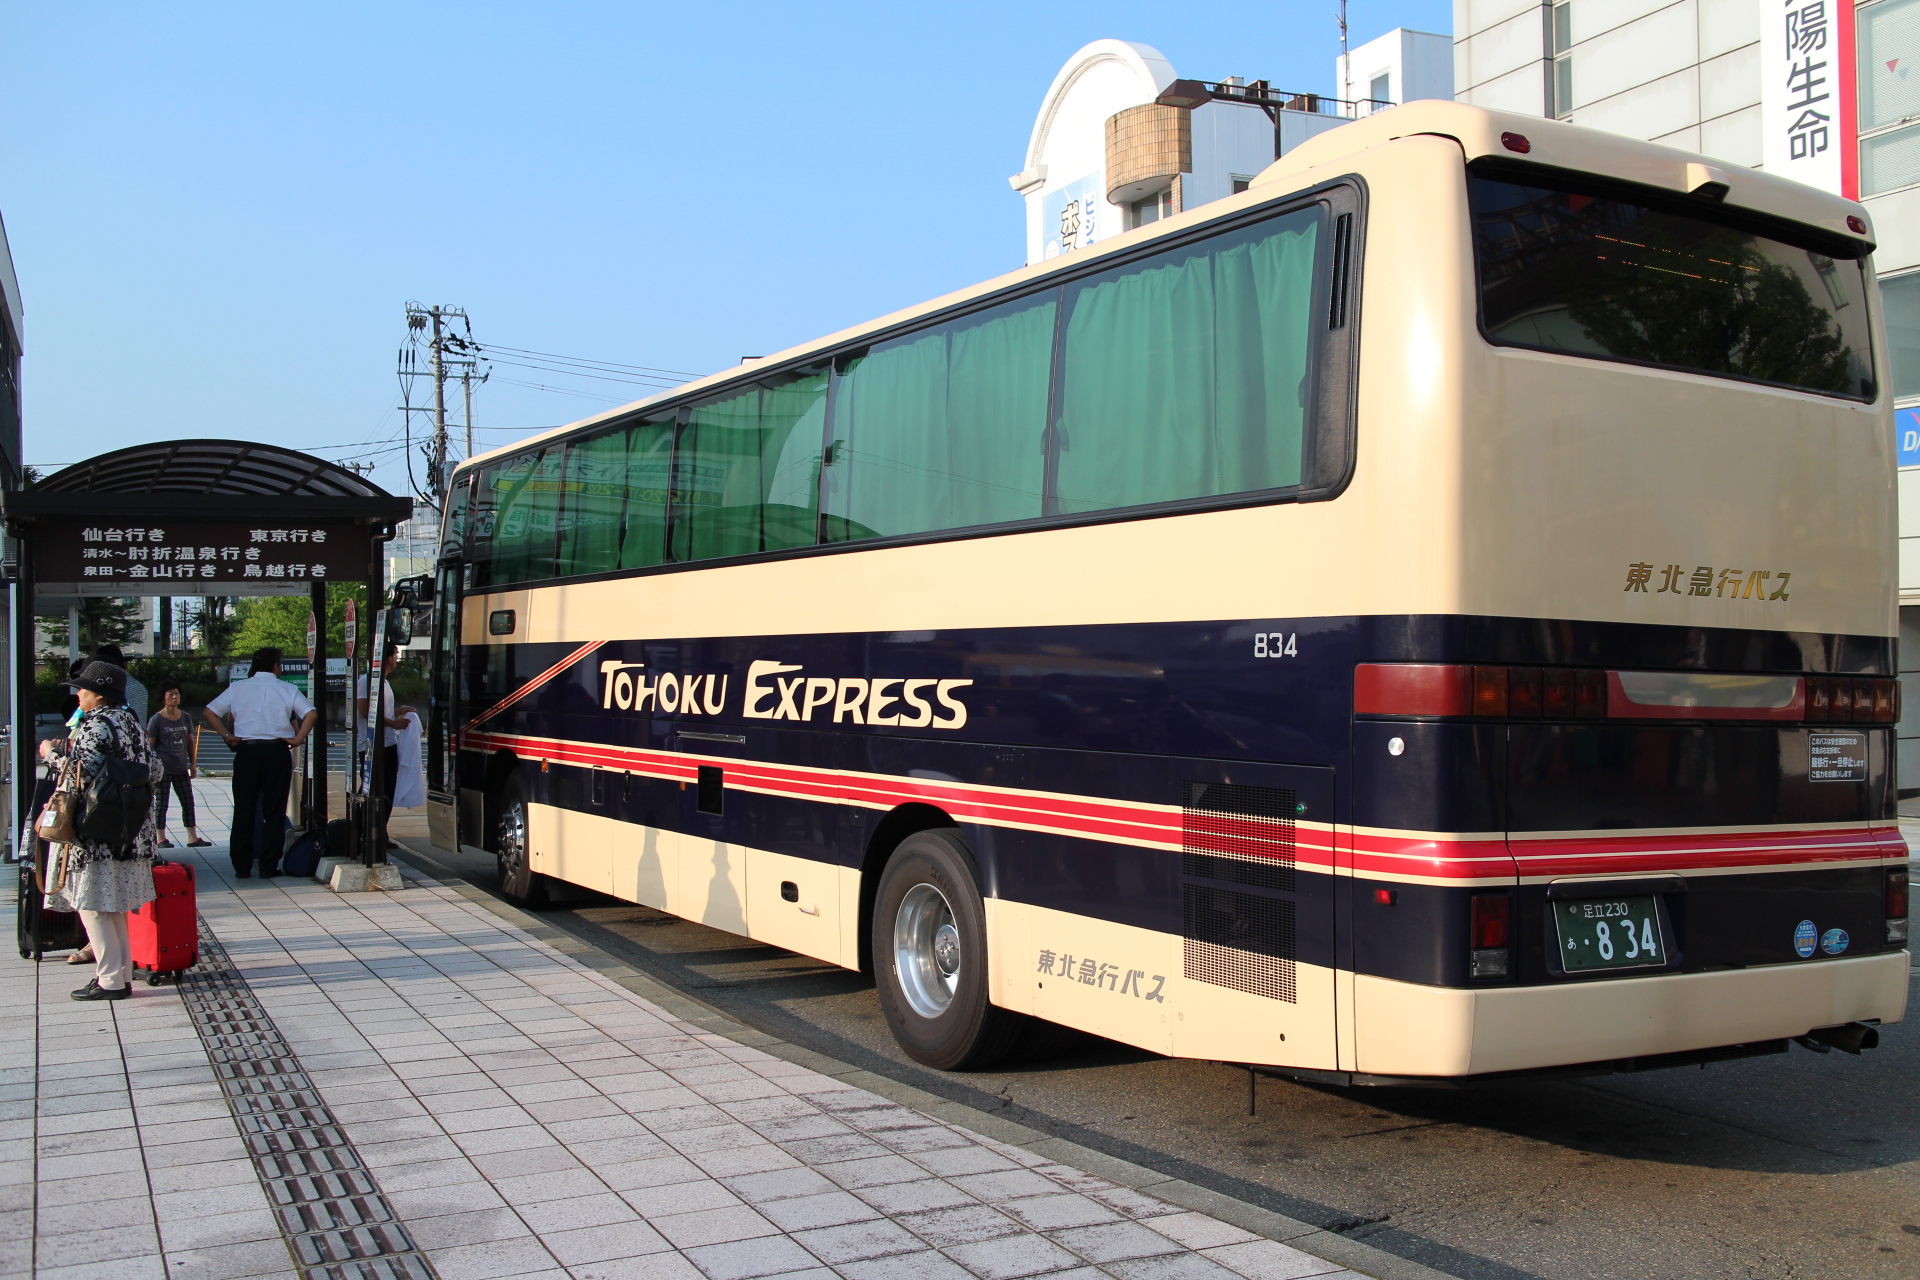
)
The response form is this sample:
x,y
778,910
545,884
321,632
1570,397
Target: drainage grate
x,y
337,1223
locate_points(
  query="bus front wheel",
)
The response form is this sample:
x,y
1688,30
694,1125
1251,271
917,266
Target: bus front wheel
x,y
930,956
512,847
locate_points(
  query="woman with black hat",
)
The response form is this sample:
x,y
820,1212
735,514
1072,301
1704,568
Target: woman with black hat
x,y
103,882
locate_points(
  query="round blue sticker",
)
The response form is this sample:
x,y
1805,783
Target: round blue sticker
x,y
1805,938
1834,941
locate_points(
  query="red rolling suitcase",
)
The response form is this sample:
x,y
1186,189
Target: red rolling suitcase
x,y
164,935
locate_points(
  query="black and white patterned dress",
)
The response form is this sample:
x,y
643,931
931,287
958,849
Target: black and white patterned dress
x,y
101,877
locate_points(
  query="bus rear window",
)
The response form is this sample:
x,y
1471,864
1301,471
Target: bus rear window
x,y
1602,276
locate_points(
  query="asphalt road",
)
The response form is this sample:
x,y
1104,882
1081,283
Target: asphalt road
x,y
1783,1167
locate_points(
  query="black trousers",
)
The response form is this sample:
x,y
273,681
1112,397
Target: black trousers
x,y
262,776
390,768
183,787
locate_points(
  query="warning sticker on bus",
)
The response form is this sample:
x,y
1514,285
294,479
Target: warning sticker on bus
x,y
1836,757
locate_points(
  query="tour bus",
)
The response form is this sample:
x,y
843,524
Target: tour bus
x,y
1429,615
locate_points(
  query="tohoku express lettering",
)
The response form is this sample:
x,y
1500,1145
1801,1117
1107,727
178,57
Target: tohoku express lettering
x,y
784,691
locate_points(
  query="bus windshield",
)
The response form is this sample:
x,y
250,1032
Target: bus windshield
x,y
1605,276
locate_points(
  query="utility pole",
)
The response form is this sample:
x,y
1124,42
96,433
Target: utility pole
x,y
466,389
438,454
451,351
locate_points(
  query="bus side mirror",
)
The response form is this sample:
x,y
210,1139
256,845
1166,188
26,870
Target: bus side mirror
x,y
411,593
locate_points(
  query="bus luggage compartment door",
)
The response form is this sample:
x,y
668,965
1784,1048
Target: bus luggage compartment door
x,y
1208,933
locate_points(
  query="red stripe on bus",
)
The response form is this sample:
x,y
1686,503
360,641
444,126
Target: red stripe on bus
x,y
535,683
1377,854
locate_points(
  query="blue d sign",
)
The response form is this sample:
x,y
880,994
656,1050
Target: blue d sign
x,y
1906,435
1805,938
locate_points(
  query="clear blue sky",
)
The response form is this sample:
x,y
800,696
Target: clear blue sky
x,y
218,212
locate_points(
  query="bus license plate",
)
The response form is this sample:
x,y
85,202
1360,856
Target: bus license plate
x,y
1609,933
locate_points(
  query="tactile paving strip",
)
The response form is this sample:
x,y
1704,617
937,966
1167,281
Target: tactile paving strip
x,y
337,1224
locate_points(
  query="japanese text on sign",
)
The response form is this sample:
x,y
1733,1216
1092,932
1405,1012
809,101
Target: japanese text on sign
x,y
142,553
1104,976
1801,89
200,552
1726,584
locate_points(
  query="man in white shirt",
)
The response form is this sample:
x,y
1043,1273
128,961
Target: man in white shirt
x,y
394,721
265,711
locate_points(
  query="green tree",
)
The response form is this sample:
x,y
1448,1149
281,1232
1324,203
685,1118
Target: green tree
x,y
281,621
103,620
213,618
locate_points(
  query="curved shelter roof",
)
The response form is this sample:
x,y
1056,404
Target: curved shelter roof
x,y
215,493
211,468
207,480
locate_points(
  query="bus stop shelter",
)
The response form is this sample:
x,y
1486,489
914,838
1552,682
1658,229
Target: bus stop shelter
x,y
192,518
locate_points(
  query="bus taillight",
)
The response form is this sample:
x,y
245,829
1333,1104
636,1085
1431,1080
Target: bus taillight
x,y
1897,905
1856,699
1582,693
1489,933
1490,691
1589,694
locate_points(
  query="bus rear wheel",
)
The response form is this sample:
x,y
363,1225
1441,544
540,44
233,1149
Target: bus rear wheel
x,y
520,884
930,956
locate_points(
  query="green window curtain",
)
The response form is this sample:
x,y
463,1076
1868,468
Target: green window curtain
x,y
1187,375
593,504
746,475
945,428
643,536
526,509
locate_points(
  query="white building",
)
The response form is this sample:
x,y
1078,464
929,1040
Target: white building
x,y
1760,84
1400,66
1121,140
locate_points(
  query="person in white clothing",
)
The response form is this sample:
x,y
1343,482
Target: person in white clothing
x,y
265,711
393,721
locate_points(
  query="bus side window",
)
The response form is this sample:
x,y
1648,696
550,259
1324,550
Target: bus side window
x,y
613,512
944,428
516,515
1181,374
746,471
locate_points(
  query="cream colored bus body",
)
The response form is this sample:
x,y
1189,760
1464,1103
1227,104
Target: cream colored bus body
x,y
1486,481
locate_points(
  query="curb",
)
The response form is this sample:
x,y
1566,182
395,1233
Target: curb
x,y
1333,1247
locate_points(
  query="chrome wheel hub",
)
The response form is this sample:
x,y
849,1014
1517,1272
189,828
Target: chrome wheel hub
x,y
926,950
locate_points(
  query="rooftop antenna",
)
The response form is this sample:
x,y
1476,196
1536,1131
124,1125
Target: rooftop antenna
x,y
1345,76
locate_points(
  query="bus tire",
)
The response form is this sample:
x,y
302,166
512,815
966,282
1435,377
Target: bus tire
x,y
930,956
520,884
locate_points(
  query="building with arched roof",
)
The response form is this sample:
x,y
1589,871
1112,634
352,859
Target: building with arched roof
x,y
1121,140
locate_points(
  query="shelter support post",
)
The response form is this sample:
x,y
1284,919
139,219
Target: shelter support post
x,y
317,743
26,747
374,847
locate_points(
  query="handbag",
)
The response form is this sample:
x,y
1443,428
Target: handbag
x,y
116,803
56,823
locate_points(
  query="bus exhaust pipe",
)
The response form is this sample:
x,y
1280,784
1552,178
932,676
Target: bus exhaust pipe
x,y
1851,1038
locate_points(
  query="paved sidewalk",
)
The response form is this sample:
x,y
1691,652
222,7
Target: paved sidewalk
x,y
365,1085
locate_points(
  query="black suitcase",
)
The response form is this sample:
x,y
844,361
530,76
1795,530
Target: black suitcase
x,y
41,930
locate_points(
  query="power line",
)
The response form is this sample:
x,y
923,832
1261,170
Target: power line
x,y
610,364
565,391
642,380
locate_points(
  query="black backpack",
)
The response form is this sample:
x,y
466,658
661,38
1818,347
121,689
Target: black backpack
x,y
115,803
